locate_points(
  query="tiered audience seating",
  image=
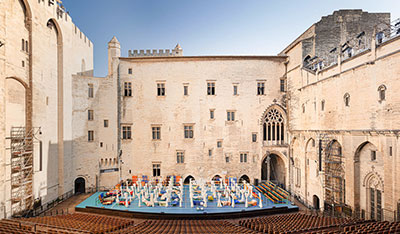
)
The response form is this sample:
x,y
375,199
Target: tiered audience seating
x,y
83,223
274,224
273,192
303,223
185,226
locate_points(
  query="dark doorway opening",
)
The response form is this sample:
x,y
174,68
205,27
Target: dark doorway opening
x,y
79,185
316,202
277,171
187,179
244,177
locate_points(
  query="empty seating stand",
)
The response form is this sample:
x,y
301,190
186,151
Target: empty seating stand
x,y
287,224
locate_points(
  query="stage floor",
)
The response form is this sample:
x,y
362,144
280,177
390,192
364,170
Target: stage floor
x,y
211,208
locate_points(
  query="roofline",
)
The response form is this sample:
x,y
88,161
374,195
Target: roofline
x,y
194,58
296,41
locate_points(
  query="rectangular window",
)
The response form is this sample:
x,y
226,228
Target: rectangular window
x,y
156,169
128,89
211,114
180,157
101,144
188,131
373,155
243,157
90,136
254,137
235,90
156,133
90,91
210,88
230,116
260,88
126,132
282,85
130,71
23,45
106,123
227,158
90,115
219,144
210,152
185,90
160,89
391,152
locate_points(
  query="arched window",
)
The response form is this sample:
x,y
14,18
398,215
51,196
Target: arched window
x,y
346,99
382,92
274,127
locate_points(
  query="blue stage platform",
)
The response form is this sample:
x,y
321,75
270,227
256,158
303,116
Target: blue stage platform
x,y
92,204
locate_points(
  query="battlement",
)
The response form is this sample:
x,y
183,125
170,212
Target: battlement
x,y
177,51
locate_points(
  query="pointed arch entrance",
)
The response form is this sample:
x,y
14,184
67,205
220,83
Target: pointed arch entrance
x,y
273,169
244,178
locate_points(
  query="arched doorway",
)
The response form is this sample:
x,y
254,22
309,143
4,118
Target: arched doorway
x,y
187,179
244,178
334,177
316,202
79,185
273,169
216,178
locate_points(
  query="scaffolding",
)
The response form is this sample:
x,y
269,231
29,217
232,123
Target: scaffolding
x,y
21,147
334,183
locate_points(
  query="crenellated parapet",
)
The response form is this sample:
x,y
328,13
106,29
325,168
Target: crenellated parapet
x,y
177,51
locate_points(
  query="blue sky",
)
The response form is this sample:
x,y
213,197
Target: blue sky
x,y
205,27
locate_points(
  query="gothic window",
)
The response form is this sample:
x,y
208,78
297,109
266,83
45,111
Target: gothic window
x,y
346,99
375,196
382,92
274,127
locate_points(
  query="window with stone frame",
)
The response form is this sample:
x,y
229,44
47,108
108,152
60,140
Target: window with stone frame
x,y
180,156
156,132
346,99
126,132
230,115
90,91
235,89
160,89
186,90
382,92
156,169
243,157
188,131
90,135
127,89
261,88
90,115
274,127
211,88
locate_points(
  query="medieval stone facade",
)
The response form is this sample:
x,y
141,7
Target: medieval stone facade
x,y
320,119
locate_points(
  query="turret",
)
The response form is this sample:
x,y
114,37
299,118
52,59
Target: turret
x,y
114,51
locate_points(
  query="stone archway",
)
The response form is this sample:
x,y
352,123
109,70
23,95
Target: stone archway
x,y
273,169
187,179
316,204
80,185
244,178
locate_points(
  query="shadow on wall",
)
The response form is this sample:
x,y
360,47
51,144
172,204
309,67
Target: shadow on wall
x,y
52,170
